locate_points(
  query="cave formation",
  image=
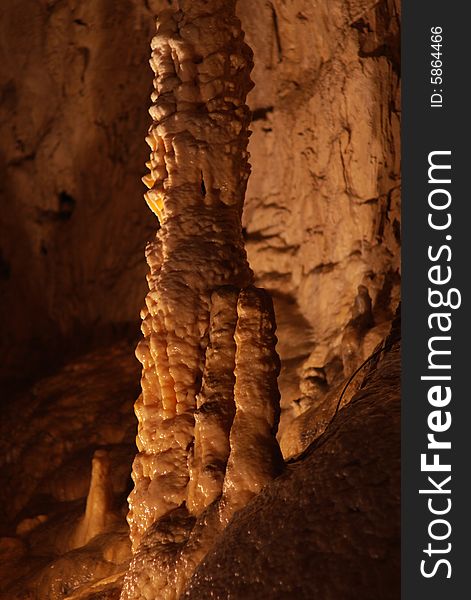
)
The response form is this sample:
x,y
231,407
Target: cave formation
x,y
209,407
255,477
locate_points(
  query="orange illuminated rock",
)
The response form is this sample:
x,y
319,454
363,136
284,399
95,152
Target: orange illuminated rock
x,y
209,407
98,512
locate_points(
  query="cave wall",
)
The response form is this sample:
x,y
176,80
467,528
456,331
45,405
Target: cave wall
x,y
321,214
321,218
322,204
74,88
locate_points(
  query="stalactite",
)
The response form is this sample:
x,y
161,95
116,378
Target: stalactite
x,y
209,406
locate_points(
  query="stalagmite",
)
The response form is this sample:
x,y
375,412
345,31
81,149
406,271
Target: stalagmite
x,y
209,406
99,502
254,447
215,404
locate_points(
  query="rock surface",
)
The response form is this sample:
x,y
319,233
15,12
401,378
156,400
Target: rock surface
x,y
74,84
321,226
322,208
66,448
329,527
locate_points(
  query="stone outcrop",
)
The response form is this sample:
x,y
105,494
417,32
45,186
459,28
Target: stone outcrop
x,y
209,408
329,527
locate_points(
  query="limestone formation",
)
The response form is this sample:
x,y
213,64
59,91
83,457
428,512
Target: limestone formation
x,y
99,507
321,218
209,407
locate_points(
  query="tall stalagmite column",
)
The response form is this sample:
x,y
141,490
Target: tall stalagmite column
x,y
209,406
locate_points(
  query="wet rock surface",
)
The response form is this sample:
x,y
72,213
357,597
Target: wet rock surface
x,y
329,526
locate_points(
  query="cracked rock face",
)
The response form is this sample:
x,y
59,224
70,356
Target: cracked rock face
x,y
71,130
322,208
